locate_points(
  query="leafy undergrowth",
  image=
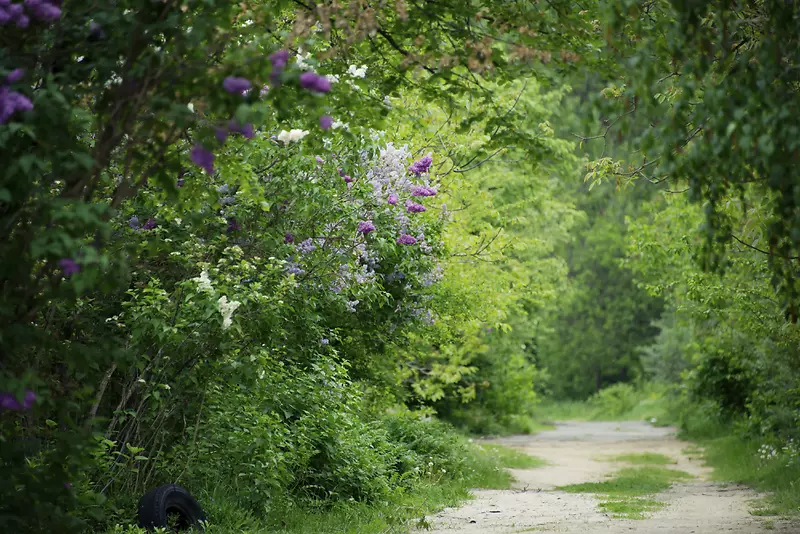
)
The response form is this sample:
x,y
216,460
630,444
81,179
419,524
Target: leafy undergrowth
x,y
405,506
644,458
623,494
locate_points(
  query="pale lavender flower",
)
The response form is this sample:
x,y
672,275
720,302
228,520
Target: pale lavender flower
x,y
393,199
307,246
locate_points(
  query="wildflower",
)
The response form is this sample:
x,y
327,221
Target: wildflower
x,y
351,305
133,222
325,122
150,224
366,227
288,239
320,160
421,166
202,158
413,207
406,239
226,309
69,266
315,82
341,172
180,182
203,281
421,191
347,179
324,341
264,91
9,402
393,198
235,85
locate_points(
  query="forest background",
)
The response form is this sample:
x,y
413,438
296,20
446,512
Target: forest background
x,y
286,254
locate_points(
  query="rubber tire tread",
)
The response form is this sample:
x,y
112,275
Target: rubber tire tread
x,y
156,503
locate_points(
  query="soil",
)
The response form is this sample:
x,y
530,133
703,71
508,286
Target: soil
x,y
579,452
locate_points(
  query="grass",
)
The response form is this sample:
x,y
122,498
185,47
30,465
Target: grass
x,y
623,493
404,507
513,458
645,458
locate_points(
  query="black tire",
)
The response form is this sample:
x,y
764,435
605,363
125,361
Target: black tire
x,y
158,504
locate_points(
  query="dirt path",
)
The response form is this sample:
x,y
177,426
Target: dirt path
x,y
575,453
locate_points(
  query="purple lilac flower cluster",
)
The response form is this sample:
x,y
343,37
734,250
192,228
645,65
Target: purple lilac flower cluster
x,y
315,82
20,14
235,85
203,158
421,166
12,102
69,266
246,130
406,239
413,207
366,227
422,191
9,402
279,60
325,122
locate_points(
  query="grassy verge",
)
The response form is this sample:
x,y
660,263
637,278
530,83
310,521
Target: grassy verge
x,y
753,463
405,507
624,495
